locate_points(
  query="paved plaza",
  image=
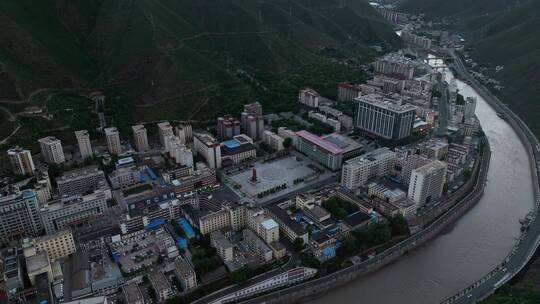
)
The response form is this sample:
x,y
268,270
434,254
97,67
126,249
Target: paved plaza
x,y
274,173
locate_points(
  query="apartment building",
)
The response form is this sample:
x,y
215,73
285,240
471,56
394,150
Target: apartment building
x,y
51,150
21,161
83,141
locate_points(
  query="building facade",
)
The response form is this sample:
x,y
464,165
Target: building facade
x,y
51,150
209,148
385,119
19,216
427,183
81,181
21,161
83,141
113,140
140,137
309,97
359,170
227,127
61,214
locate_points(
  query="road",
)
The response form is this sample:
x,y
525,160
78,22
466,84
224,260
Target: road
x,y
529,241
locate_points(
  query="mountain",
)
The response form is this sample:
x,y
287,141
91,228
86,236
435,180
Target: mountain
x,y
455,8
158,49
512,40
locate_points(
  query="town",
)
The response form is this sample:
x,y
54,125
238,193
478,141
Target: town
x,y
253,203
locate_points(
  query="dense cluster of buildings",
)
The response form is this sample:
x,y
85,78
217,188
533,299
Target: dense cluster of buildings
x,y
126,223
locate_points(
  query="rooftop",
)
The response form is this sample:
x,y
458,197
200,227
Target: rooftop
x,y
269,224
382,101
329,144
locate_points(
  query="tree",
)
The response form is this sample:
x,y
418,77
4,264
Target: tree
x,y
152,293
287,143
298,244
399,225
241,275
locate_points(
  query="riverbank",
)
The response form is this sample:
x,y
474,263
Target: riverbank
x,y
529,240
322,285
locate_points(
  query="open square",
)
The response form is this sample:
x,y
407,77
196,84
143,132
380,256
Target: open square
x,y
276,178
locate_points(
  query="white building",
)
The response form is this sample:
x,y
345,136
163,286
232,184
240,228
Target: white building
x,y
113,140
185,273
85,147
185,133
427,183
21,161
179,152
284,133
57,245
357,171
164,129
209,148
290,277
309,97
51,150
252,120
265,227
273,140
141,138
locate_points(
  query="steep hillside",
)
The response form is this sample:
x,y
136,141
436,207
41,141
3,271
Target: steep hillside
x,y
155,49
456,8
512,40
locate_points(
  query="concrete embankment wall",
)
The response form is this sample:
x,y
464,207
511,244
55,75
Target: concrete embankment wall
x,y
329,282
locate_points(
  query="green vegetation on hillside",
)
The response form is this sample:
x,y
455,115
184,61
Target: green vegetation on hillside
x,y
455,8
176,59
512,41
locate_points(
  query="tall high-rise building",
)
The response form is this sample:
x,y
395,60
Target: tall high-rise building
x,y
184,133
85,147
21,161
20,216
140,137
470,108
309,97
427,183
252,120
206,145
51,150
385,118
113,140
164,129
227,127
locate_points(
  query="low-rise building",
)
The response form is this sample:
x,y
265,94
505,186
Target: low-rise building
x,y
287,225
132,293
357,171
161,286
224,247
237,150
257,245
185,273
60,214
330,150
81,181
57,245
273,140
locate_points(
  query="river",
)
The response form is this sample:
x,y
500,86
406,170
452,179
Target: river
x,y
473,245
